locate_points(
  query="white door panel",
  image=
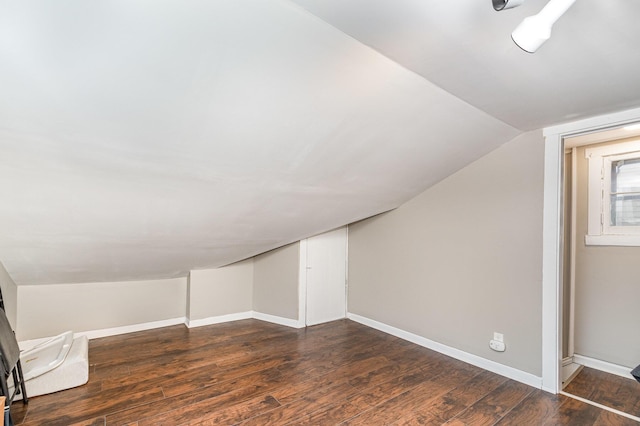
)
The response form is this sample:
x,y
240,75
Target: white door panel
x,y
326,277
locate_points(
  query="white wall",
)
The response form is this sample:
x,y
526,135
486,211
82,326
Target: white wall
x,y
46,310
275,282
9,295
463,259
221,291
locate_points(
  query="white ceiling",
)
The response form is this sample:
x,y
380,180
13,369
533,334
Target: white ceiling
x,y
588,67
142,139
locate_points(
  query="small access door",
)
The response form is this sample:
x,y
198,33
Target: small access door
x,y
326,277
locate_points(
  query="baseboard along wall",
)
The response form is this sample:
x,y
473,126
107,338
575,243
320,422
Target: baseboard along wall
x,y
607,367
218,319
494,367
114,331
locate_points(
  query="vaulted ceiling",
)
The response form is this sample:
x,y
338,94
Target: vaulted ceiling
x,y
141,139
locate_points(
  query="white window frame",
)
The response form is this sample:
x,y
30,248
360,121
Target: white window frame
x,y
599,232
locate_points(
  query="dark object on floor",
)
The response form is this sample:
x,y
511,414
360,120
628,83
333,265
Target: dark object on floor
x,y
636,373
10,366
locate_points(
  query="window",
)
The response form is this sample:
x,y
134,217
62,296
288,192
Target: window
x,y
614,195
624,205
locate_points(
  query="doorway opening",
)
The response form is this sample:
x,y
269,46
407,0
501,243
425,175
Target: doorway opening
x,y
568,261
599,280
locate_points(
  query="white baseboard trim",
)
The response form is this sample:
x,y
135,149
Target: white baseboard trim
x,y
219,319
495,367
28,344
288,322
106,332
607,367
602,407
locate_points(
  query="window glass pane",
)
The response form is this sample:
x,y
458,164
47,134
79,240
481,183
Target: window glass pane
x,y
625,210
625,192
625,176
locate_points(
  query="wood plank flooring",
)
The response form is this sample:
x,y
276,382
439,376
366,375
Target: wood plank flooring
x,y
256,373
607,389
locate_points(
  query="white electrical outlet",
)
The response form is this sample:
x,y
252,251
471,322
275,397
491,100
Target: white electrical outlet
x,y
497,346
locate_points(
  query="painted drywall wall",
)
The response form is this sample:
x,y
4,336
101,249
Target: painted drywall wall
x,y
46,310
607,291
275,282
9,296
221,291
463,259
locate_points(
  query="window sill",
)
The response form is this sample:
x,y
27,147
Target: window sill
x,y
612,240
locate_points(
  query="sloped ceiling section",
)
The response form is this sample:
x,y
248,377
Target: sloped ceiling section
x,y
588,67
142,139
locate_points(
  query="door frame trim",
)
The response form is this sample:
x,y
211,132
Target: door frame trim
x,y
302,285
552,235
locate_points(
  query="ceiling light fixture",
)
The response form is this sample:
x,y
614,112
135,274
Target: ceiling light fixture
x,y
506,4
536,29
632,127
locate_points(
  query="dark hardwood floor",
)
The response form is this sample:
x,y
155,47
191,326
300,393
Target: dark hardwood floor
x,y
255,373
607,389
